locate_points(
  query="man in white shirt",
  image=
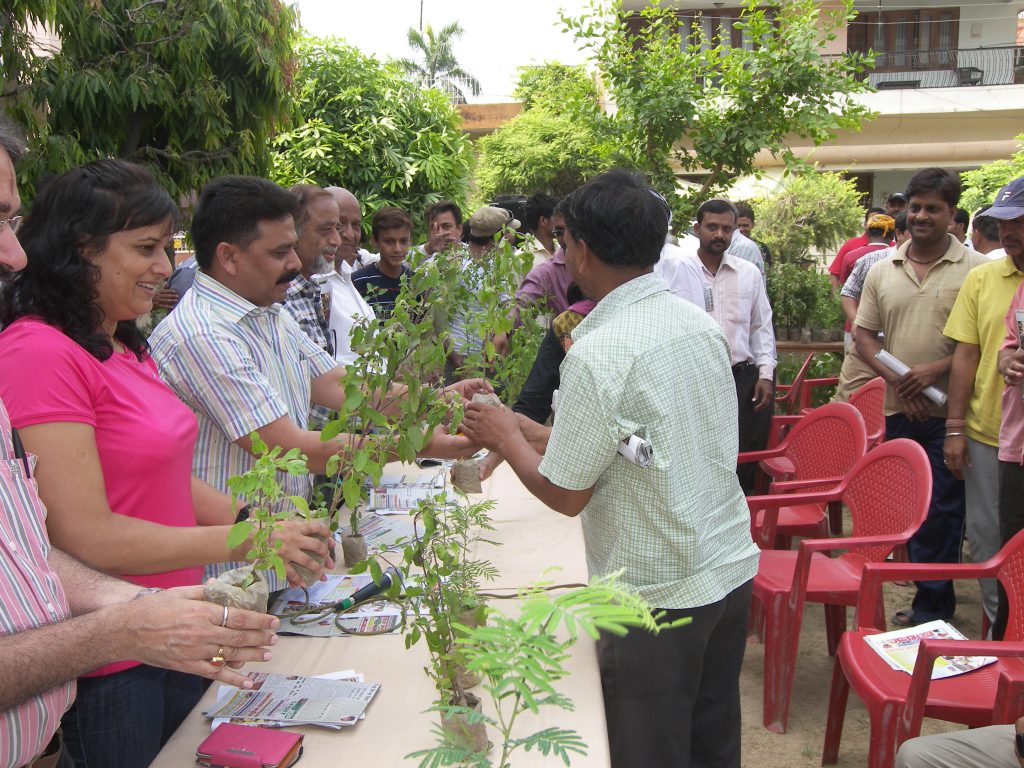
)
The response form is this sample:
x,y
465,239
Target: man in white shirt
x,y
347,306
735,296
985,236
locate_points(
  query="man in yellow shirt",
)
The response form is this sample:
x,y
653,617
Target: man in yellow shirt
x,y
971,447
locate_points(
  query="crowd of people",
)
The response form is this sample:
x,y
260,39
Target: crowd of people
x,y
118,446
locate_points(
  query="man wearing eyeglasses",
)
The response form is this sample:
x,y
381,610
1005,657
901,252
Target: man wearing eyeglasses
x,y
308,298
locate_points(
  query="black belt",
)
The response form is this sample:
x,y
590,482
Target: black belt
x,y
741,366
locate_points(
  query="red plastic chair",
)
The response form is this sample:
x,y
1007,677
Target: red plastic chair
x,y
822,446
887,492
787,396
869,399
896,702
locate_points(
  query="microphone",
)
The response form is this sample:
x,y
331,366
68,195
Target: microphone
x,y
370,590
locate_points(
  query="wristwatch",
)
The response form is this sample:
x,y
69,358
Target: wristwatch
x,y
1020,745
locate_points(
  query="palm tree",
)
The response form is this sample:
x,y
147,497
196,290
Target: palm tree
x,y
439,68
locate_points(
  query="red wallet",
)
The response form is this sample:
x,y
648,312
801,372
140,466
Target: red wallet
x,y
247,746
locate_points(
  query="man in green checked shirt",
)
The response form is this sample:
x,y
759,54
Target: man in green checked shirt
x,y
646,363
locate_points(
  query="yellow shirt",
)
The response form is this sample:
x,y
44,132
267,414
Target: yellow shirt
x,y
913,313
978,318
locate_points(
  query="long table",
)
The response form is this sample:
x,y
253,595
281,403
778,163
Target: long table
x,y
533,540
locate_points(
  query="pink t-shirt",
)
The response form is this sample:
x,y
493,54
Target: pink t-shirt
x,y
144,434
1011,429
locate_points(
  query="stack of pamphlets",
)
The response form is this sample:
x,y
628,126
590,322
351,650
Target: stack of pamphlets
x,y
398,494
899,649
382,533
331,701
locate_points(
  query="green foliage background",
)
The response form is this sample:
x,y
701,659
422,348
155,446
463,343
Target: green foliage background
x,y
981,184
555,144
365,126
192,88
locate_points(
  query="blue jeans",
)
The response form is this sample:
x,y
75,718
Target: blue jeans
x,y
939,538
122,720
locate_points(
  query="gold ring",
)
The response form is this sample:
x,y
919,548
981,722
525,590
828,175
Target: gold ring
x,y
218,660
224,618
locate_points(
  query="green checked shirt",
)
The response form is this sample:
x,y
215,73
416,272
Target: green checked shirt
x,y
645,362
238,367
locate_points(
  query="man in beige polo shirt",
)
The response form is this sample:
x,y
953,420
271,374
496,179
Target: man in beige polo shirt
x,y
908,298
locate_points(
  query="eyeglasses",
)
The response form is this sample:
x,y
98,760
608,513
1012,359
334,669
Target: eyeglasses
x,y
14,223
558,232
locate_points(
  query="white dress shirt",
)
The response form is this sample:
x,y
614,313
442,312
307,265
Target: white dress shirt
x,y
736,298
347,307
682,274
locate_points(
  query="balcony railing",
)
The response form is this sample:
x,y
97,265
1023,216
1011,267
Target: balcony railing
x,y
948,68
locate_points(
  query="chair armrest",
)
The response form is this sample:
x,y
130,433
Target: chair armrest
x,y
877,573
917,695
808,387
821,483
749,456
777,500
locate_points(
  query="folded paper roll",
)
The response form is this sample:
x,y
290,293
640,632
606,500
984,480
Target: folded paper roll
x,y
898,367
637,450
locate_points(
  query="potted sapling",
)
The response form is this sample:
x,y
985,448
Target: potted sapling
x,y
441,587
520,659
268,507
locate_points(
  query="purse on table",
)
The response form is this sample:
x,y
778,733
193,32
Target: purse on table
x,y
246,746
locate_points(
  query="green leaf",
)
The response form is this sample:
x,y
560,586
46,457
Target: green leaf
x,y
239,533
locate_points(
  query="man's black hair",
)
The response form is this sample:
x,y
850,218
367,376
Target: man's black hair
x,y
443,206
716,205
938,180
962,217
621,219
872,211
901,221
230,210
986,225
743,208
539,205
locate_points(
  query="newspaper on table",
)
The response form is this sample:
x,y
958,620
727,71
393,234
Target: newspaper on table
x,y
335,588
297,700
410,480
225,692
899,649
401,499
382,533
375,617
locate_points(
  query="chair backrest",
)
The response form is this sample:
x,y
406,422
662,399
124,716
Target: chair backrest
x,y
826,442
1011,576
789,395
868,399
887,492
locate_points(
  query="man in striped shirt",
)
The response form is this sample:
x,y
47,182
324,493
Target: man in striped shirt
x,y
241,363
42,648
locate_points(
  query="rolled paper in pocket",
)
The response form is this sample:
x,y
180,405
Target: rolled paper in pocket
x,y
637,450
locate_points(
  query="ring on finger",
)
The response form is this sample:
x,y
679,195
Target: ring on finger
x,y
224,618
218,659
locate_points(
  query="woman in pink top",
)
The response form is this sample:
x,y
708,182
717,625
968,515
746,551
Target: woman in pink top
x,y
114,443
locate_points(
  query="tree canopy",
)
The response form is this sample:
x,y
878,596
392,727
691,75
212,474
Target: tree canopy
x,y
192,88
706,107
555,144
981,184
439,68
364,126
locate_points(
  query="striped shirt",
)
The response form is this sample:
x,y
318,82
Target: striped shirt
x,y
647,363
31,596
239,367
854,285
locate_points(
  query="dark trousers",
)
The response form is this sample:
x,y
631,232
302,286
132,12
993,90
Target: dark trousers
x,y
1011,521
939,538
673,700
122,720
754,425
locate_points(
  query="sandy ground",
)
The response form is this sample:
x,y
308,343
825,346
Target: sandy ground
x,y
800,746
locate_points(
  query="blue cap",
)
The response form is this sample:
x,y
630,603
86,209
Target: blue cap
x,y
1009,202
